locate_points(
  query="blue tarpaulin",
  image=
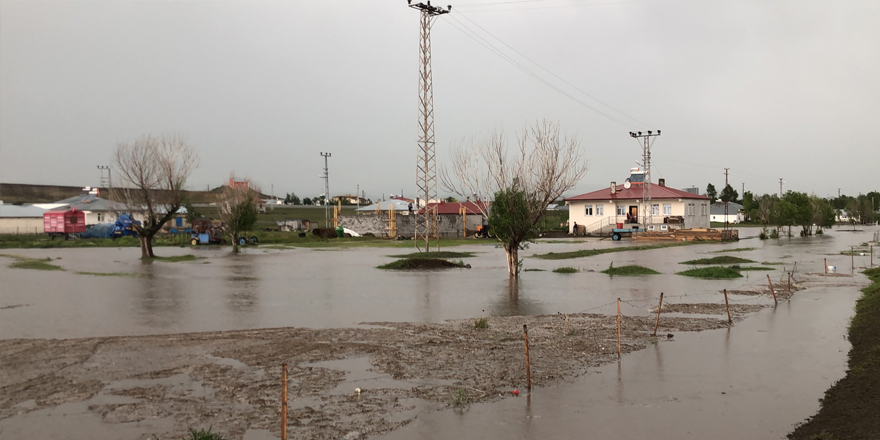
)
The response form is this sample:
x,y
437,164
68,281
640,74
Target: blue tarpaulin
x,y
101,230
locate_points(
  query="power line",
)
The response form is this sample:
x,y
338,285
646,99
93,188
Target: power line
x,y
491,7
476,37
551,73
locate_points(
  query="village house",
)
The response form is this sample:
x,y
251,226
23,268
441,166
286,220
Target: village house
x,y
734,213
621,206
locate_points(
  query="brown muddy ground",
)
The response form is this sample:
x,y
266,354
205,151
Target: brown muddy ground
x,y
230,381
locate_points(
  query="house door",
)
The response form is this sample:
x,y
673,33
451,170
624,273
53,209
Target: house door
x,y
634,213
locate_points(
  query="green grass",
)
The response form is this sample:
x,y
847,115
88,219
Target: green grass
x,y
534,270
31,263
723,259
421,263
203,435
630,270
593,252
747,268
438,254
565,270
734,250
115,274
711,272
177,258
481,324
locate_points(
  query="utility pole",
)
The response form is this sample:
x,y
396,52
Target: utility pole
x,y
357,196
727,202
646,142
780,187
326,177
426,163
838,193
109,181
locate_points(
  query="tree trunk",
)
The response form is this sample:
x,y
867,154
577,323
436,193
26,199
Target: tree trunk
x,y
150,246
512,259
234,243
144,252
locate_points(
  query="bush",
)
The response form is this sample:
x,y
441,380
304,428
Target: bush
x,y
565,270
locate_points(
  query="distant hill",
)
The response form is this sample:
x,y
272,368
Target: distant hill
x,y
13,193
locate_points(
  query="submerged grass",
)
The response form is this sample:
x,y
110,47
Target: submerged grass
x,y
565,270
31,263
773,263
630,270
711,272
421,263
849,408
177,258
534,270
438,254
592,252
734,250
721,259
115,274
742,268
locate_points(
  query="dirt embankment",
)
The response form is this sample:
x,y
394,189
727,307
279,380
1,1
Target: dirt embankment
x,y
231,380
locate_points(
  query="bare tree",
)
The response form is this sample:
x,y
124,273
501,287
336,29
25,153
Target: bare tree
x,y
153,172
237,209
545,165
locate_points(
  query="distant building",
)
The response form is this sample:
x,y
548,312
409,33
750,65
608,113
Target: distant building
x,y
600,211
97,209
20,220
734,213
350,199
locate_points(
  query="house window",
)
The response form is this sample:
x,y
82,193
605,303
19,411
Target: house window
x,y
667,209
600,210
703,209
690,210
621,210
100,217
655,209
588,210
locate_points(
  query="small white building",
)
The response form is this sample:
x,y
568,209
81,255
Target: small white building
x,y
734,213
20,220
600,211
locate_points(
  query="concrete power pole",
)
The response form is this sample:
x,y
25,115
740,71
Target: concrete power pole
x,y
727,203
780,187
326,177
646,142
426,163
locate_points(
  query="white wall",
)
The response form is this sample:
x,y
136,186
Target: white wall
x,y
21,225
609,217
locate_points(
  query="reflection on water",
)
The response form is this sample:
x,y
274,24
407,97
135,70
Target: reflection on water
x,y
161,301
242,288
515,301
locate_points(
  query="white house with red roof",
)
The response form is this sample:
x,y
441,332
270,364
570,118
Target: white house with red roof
x,y
621,206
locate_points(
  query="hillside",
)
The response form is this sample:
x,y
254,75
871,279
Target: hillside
x,y
12,193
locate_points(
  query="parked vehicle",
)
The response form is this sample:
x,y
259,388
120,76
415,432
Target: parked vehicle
x,y
204,231
125,227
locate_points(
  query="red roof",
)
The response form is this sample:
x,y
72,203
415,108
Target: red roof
x,y
471,208
635,193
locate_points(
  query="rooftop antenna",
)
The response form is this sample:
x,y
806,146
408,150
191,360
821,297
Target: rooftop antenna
x,y
426,163
646,142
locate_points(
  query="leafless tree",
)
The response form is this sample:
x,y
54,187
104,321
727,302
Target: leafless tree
x,y
237,209
153,172
546,163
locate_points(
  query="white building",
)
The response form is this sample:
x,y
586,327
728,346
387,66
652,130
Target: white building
x,y
20,220
734,213
600,211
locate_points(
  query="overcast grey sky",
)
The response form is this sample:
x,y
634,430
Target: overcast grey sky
x,y
768,89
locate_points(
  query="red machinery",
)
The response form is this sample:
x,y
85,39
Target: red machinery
x,y
65,223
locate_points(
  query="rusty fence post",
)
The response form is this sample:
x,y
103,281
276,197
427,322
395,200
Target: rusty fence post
x,y
772,291
789,281
852,258
283,401
727,304
618,328
528,366
657,323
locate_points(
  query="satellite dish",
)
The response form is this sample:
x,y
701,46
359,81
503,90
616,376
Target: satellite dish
x,y
626,184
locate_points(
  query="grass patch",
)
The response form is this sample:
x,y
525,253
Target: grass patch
x,y
31,263
629,270
481,324
711,272
721,259
421,263
203,435
773,263
177,258
461,399
734,250
438,254
534,270
565,270
592,252
115,274
746,268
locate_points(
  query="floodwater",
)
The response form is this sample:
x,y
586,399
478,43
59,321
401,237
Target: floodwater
x,y
328,288
753,381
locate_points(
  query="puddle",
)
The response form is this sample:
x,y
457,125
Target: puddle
x,y
359,374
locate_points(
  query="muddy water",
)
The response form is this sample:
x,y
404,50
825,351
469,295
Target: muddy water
x,y
325,288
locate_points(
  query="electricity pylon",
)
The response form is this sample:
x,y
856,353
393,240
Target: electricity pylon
x,y
426,163
646,162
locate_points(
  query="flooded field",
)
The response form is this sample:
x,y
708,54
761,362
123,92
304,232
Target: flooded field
x,y
752,380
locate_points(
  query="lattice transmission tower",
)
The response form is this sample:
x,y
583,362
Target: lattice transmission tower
x,y
426,163
646,142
